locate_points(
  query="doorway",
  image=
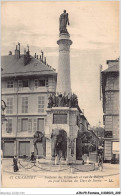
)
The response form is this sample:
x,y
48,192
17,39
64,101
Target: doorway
x,y
24,148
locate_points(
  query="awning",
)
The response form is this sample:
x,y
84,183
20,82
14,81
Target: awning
x,y
116,147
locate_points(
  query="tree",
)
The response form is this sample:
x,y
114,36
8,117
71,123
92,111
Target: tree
x,y
85,144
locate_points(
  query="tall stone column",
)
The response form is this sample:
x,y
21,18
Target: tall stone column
x,y
63,79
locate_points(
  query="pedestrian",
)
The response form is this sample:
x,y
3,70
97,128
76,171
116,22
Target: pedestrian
x,y
100,162
15,165
32,156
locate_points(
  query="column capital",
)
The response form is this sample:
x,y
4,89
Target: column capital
x,y
66,42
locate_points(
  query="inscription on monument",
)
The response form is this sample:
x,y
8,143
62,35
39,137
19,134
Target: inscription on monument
x,y
60,118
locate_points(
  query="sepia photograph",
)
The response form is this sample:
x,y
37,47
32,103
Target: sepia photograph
x,y
60,94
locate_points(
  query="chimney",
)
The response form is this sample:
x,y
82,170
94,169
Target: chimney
x,y
19,46
112,62
45,60
28,47
10,53
17,52
35,55
26,56
42,55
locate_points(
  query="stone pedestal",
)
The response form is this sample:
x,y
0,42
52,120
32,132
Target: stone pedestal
x,y
31,146
63,79
68,127
48,149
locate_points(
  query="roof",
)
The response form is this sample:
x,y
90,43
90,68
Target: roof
x,y
94,134
15,67
83,116
114,68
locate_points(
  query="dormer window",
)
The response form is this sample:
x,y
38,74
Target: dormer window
x,y
41,83
23,83
10,84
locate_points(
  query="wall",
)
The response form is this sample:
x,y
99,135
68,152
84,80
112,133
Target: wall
x,y
112,111
32,93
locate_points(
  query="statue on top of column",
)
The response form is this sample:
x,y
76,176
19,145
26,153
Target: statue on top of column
x,y
63,21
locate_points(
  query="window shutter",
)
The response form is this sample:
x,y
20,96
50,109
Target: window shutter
x,y
15,84
46,82
19,125
29,125
9,126
20,84
9,106
36,82
35,125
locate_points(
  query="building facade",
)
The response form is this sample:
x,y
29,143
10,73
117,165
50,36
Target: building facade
x,y
110,91
26,84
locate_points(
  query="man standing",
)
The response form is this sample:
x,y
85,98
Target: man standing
x,y
100,162
15,166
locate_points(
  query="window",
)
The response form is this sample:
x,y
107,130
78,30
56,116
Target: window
x,y
108,123
41,103
109,102
24,124
110,83
41,83
60,118
9,126
10,84
9,108
40,124
23,83
24,104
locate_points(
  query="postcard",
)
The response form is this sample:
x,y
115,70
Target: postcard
x,y
60,94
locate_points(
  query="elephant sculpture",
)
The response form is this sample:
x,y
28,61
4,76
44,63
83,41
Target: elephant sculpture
x,y
39,137
59,143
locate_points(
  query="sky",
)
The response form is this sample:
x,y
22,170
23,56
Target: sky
x,y
94,31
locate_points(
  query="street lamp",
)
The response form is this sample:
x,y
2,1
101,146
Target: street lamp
x,y
3,118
